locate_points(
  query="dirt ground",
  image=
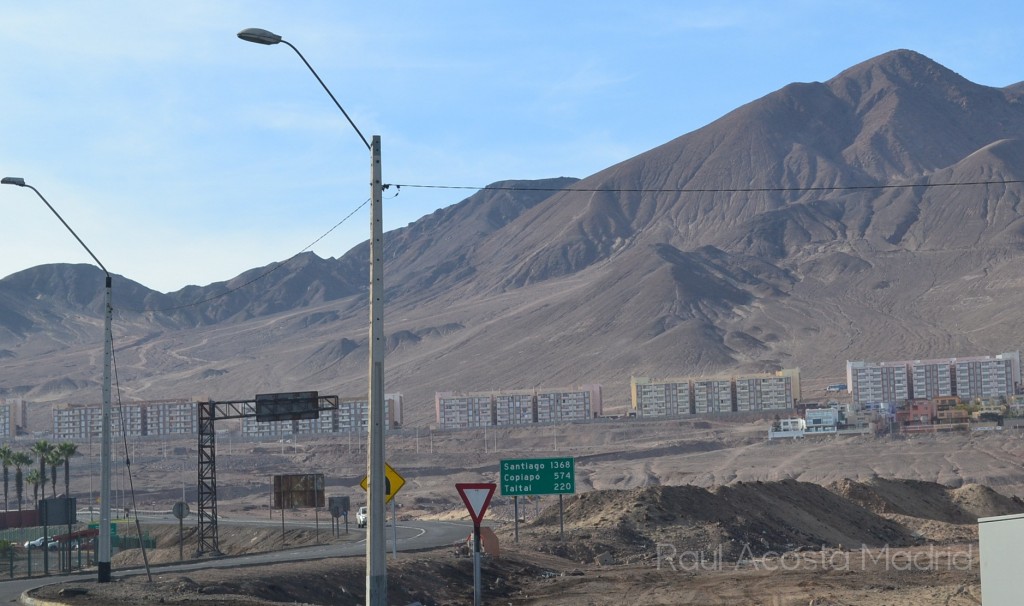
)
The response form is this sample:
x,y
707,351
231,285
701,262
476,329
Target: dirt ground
x,y
675,512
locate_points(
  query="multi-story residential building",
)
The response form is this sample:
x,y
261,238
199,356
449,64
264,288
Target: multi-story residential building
x,y
878,382
931,378
973,377
666,397
713,395
766,391
85,421
352,414
463,411
568,404
171,417
13,416
684,396
515,407
987,377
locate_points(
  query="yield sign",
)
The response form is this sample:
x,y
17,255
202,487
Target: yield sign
x,y
476,497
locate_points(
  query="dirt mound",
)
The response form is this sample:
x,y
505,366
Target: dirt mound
x,y
927,500
737,521
977,501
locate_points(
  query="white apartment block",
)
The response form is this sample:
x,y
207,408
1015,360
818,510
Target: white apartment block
x,y
765,392
13,415
568,404
968,378
988,377
712,395
85,421
463,411
878,382
514,408
932,378
664,398
517,407
5,421
685,396
353,414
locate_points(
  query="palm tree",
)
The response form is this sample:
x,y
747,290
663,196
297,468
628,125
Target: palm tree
x,y
32,477
20,459
53,459
6,455
41,449
66,450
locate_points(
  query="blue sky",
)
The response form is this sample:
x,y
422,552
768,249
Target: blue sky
x,y
183,155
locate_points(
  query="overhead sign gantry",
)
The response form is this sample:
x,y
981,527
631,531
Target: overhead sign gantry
x,y
265,407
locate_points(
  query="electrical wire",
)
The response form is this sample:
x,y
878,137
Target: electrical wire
x,y
708,190
273,268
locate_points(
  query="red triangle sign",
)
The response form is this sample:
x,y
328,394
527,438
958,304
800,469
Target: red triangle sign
x,y
476,497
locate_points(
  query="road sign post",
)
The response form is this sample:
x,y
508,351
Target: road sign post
x,y
393,482
552,475
476,498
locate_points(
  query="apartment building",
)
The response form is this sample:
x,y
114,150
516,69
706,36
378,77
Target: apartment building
x,y
931,378
878,382
897,381
85,421
713,395
463,411
767,391
685,396
987,377
569,404
664,398
517,407
352,414
13,416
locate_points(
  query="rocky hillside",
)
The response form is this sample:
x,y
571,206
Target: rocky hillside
x,y
876,215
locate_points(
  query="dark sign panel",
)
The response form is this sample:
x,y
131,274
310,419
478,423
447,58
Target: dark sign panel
x,y
298,491
58,511
292,406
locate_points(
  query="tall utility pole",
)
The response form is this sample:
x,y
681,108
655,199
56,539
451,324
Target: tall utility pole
x,y
103,554
376,556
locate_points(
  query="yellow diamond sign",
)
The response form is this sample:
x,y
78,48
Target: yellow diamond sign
x,y
392,482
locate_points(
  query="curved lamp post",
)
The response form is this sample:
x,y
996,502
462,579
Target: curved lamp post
x,y
376,566
103,556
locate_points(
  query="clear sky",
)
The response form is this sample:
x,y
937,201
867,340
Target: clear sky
x,y
183,155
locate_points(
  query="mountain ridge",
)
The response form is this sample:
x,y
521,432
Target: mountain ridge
x,y
824,221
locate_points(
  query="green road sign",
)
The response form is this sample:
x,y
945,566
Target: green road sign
x,y
556,475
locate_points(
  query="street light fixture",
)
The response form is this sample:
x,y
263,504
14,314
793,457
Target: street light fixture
x,y
376,565
103,556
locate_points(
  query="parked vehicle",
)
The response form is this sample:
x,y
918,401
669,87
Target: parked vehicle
x,y
37,543
361,515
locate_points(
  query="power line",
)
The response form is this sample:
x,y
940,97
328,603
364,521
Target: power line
x,y
641,190
708,190
273,268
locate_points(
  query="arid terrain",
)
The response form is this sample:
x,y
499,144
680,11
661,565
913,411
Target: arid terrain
x,y
673,512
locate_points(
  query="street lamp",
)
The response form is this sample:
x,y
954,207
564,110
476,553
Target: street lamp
x,y
103,557
376,566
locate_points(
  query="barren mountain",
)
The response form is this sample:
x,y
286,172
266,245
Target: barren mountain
x,y
876,215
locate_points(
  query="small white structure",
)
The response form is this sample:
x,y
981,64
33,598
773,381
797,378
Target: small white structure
x,y
822,420
1000,539
787,428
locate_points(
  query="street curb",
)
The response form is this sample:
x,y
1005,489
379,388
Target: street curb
x,y
28,600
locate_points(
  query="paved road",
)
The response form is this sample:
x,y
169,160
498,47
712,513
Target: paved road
x,y
412,536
